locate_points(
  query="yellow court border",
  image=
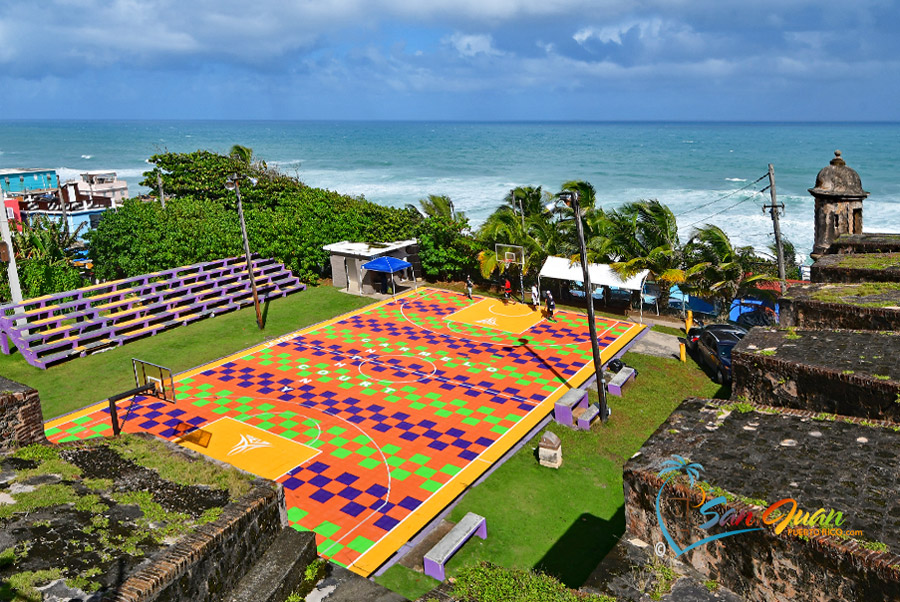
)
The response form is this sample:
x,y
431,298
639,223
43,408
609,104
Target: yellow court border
x,y
387,546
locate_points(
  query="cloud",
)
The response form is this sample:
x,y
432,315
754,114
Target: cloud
x,y
469,45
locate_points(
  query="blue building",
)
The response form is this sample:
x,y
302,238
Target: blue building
x,y
24,181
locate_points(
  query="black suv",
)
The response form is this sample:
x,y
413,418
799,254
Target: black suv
x,y
712,345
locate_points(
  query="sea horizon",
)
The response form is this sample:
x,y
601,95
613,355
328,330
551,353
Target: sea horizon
x,y
698,168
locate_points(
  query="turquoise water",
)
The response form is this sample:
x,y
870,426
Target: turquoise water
x,y
689,166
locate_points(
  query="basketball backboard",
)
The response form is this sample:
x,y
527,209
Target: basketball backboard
x,y
160,377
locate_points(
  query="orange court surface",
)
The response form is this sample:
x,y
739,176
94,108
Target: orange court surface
x,y
376,420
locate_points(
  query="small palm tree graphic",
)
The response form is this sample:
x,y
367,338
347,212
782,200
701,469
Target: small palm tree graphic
x,y
680,465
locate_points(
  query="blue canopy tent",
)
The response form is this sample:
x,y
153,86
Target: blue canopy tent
x,y
389,265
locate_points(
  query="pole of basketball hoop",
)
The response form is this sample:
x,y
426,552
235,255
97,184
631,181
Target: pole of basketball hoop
x,y
571,199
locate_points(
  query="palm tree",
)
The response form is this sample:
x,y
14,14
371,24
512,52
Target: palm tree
x,y
721,271
644,236
439,206
243,154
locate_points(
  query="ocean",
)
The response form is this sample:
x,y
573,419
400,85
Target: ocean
x,y
704,172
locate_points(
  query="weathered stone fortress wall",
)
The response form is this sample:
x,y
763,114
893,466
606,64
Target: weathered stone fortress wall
x,y
205,565
771,381
855,268
760,566
869,242
802,312
838,372
21,418
775,455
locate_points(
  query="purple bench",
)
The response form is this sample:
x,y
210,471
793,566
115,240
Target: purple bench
x,y
620,380
572,400
437,557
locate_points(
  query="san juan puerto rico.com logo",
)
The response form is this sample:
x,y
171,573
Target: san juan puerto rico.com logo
x,y
783,516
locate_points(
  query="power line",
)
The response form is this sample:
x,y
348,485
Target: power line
x,y
722,198
744,200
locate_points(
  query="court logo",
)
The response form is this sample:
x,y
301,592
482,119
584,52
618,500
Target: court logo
x,y
488,321
248,443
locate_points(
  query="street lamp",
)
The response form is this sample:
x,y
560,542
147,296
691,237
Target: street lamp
x,y
571,199
232,183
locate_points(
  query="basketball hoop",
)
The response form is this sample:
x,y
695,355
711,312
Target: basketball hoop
x,y
509,255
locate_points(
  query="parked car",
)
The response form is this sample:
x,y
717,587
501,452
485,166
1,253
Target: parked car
x,y
711,345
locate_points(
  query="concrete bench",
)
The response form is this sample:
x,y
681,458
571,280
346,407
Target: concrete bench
x,y
437,557
572,400
619,380
586,417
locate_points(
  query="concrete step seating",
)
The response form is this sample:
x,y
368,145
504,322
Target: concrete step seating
x,y
74,323
437,557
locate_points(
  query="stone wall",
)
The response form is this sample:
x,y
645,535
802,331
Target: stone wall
x,y
807,313
838,372
854,268
755,456
866,243
205,565
770,381
759,566
21,418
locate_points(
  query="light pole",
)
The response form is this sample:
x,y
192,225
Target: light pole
x,y
232,183
571,199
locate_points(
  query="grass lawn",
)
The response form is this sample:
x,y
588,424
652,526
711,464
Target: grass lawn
x,y
83,381
563,522
678,332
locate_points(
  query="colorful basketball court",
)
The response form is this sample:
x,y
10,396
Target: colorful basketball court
x,y
374,421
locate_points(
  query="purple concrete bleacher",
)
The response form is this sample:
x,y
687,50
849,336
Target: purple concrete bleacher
x,y
57,327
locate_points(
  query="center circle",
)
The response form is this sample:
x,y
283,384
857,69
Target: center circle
x,y
385,368
527,311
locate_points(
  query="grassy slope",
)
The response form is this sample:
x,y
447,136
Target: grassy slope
x,y
82,381
564,522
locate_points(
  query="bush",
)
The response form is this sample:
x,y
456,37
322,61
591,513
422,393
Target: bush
x,y
285,220
488,583
446,249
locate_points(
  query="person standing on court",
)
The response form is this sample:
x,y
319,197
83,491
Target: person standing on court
x,y
469,285
507,290
551,305
535,296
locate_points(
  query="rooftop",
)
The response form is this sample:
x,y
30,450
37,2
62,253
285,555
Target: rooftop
x,y
368,249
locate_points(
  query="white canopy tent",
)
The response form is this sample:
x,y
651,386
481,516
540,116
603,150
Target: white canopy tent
x,y
561,268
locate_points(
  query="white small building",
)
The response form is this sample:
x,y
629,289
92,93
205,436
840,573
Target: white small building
x,y
103,184
348,257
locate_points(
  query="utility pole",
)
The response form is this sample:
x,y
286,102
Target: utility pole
x,y
774,209
159,186
571,199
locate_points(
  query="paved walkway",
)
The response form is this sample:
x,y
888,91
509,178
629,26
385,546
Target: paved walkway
x,y
659,344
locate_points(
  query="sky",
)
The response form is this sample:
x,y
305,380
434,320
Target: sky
x,y
604,60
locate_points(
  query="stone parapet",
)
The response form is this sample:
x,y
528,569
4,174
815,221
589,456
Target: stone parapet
x,y
874,306
747,458
21,417
838,372
857,267
867,242
207,564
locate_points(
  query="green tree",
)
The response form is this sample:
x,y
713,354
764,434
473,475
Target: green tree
x,y
721,271
439,206
644,236
446,248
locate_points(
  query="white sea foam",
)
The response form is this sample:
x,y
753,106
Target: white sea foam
x,y
87,156
735,179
